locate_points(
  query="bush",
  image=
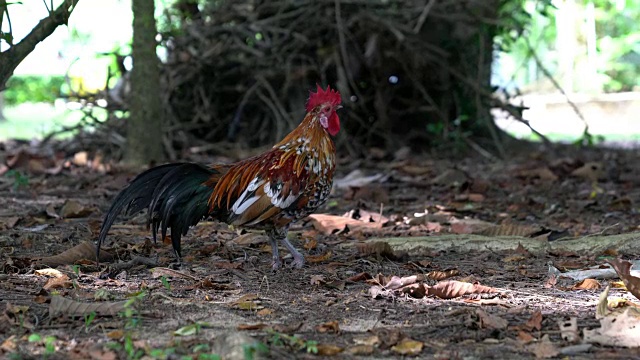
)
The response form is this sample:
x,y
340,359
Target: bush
x,y
33,89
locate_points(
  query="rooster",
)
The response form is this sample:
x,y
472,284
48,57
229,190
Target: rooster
x,y
268,191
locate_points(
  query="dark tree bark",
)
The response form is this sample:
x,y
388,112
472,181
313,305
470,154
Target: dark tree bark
x,y
13,56
144,128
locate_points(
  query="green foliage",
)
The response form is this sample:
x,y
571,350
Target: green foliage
x,y
47,341
618,43
294,342
33,89
20,180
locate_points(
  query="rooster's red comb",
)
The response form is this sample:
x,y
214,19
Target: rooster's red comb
x,y
321,96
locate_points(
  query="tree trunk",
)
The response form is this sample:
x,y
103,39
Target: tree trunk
x,y
146,119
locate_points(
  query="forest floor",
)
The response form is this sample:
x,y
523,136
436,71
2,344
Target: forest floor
x,y
514,302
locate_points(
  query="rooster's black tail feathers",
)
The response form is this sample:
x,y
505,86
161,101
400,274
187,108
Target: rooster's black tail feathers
x,y
174,194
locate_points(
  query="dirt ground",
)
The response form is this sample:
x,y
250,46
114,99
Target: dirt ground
x,y
226,301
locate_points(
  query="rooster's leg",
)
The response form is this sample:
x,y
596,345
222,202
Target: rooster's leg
x,y
298,259
275,262
281,234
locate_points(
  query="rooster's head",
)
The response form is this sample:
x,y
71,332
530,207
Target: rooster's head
x,y
323,104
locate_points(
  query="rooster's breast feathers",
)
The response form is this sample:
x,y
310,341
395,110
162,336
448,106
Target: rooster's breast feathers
x,y
278,186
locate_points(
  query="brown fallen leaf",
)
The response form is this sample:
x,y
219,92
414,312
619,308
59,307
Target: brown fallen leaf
x,y
50,210
453,289
593,171
408,346
525,337
84,250
7,223
9,345
250,238
313,259
332,224
360,277
258,326
265,312
534,322
329,327
511,230
247,302
544,348
440,275
490,321
71,308
62,282
543,173
587,284
623,268
328,350
360,350
469,226
317,279
73,209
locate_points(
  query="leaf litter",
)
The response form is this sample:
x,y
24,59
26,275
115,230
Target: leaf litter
x,y
456,302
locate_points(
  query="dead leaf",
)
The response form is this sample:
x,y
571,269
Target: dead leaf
x,y
587,284
469,226
356,179
62,282
332,224
9,345
408,347
490,321
593,171
510,230
544,174
70,308
368,341
328,350
440,275
534,322
525,337
7,223
616,330
116,334
258,326
623,268
329,327
250,238
317,279
50,272
453,289
360,350
544,348
313,259
73,209
360,277
50,210
247,302
265,312
82,251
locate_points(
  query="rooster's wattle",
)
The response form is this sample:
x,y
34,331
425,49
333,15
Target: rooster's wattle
x,y
268,191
